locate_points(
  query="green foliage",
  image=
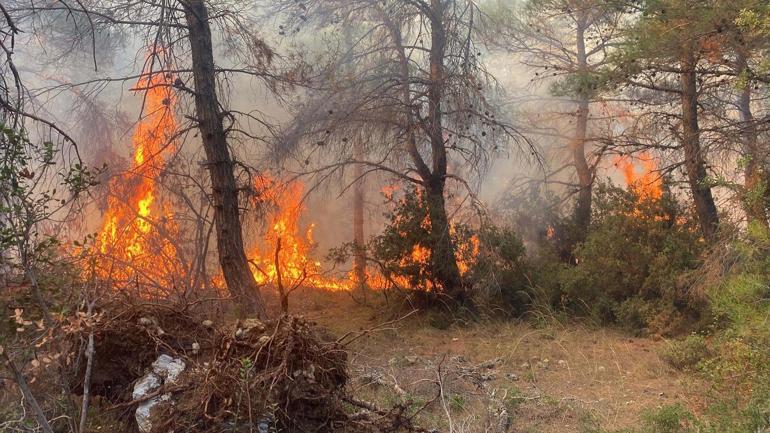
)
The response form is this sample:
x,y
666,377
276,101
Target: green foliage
x,y
687,353
586,84
630,264
402,249
668,419
735,360
456,402
499,274
33,188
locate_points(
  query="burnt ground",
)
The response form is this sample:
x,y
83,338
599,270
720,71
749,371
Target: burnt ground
x,y
551,378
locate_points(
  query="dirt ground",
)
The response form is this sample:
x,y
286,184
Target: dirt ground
x,y
553,378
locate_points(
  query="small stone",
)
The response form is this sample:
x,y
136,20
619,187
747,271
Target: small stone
x,y
562,363
492,363
207,324
512,377
196,348
239,333
253,324
145,321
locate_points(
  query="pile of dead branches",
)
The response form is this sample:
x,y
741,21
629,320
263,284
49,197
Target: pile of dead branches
x,y
280,375
284,373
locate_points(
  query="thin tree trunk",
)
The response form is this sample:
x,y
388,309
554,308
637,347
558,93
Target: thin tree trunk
x,y
359,257
21,380
585,177
578,146
90,351
232,257
443,258
705,207
755,187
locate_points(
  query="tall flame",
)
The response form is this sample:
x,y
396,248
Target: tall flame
x,y
135,233
285,234
642,175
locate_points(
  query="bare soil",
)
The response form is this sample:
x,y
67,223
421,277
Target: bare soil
x,y
551,378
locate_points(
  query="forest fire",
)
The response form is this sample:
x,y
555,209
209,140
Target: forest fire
x,y
283,255
134,238
641,175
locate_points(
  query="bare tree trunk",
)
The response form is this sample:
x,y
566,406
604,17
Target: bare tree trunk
x,y
578,146
359,257
694,162
232,257
755,187
282,293
443,258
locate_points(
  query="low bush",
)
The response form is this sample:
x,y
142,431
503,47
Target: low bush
x,y
669,419
687,353
630,268
499,275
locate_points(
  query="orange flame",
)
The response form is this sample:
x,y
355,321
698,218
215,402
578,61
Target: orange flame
x,y
136,228
642,175
296,244
466,254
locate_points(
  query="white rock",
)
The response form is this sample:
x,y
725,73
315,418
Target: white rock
x,y
165,370
145,321
145,385
168,368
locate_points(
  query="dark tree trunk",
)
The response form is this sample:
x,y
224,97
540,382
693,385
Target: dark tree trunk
x,y
443,258
433,176
359,257
755,188
705,207
585,177
578,145
232,257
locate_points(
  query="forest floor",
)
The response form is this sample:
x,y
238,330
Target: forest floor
x,y
550,378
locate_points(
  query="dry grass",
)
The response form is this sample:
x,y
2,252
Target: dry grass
x,y
547,379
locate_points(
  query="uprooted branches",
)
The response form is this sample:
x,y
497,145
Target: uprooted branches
x,y
286,374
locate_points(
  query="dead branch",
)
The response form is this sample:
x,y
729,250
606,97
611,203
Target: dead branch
x,y
21,380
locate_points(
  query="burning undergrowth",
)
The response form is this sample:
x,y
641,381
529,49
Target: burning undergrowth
x,y
285,374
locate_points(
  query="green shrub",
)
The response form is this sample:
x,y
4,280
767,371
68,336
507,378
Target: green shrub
x,y
668,419
403,247
630,266
687,353
499,274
